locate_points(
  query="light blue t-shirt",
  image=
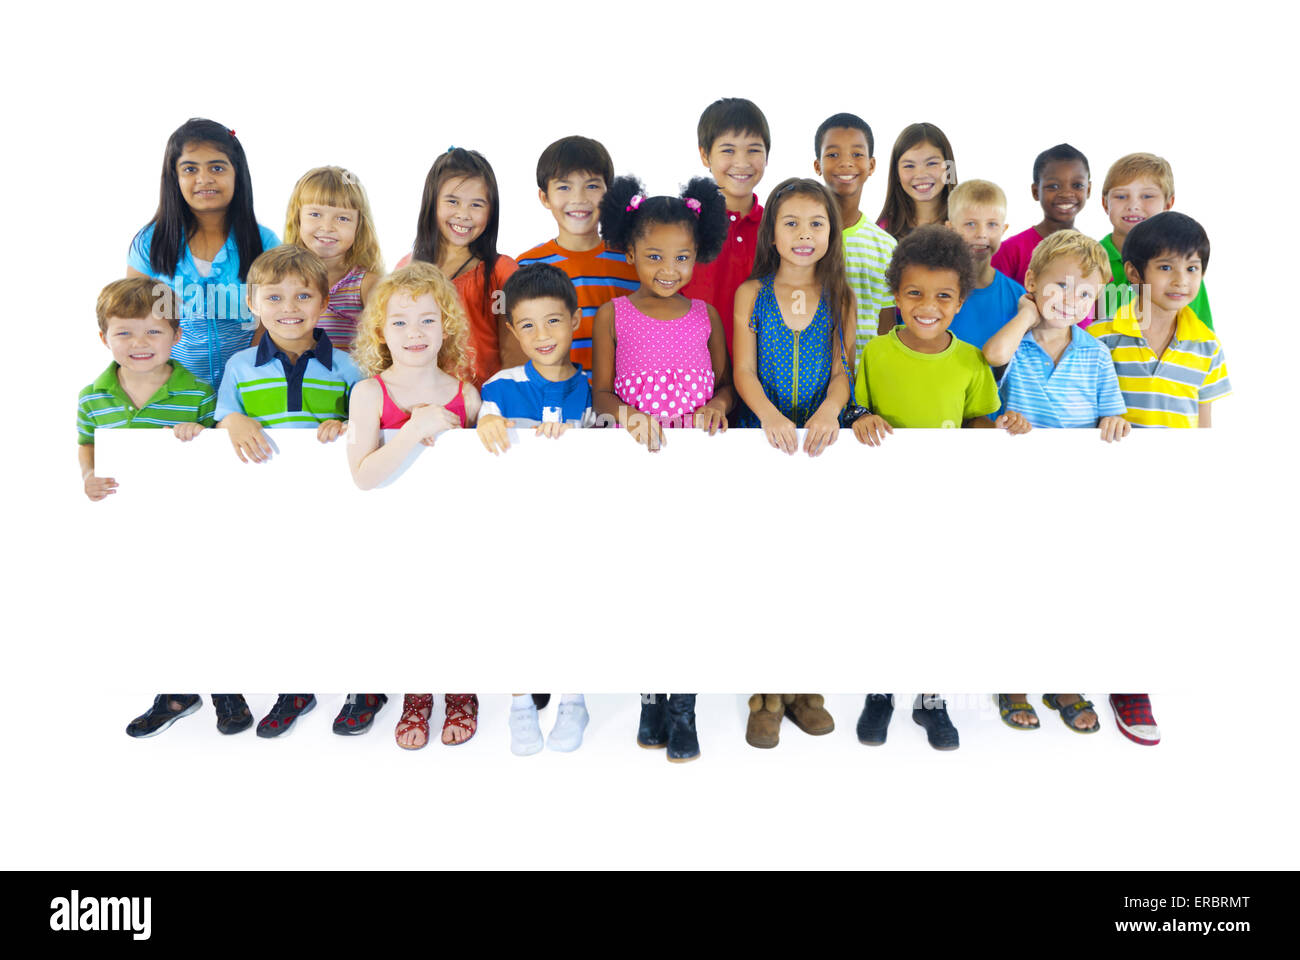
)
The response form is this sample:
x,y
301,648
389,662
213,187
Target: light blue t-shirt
x,y
1076,392
215,320
987,311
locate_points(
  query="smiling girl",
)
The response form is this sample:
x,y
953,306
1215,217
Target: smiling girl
x,y
457,232
921,174
329,214
201,241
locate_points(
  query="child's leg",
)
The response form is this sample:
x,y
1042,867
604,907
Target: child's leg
x,y
525,732
570,722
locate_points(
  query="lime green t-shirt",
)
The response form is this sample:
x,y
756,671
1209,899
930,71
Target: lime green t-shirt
x,y
911,389
1118,292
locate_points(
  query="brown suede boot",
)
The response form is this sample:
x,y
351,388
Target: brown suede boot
x,y
764,727
808,711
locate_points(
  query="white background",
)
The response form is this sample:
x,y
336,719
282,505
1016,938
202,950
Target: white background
x,y
93,98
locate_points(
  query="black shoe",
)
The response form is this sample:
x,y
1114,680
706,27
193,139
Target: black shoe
x,y
683,743
653,731
358,713
233,715
540,700
931,712
161,715
873,725
288,708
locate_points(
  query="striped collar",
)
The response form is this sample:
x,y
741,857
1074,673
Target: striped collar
x,y
180,379
323,350
1187,325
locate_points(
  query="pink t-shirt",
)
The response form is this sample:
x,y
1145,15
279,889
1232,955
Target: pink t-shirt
x,y
1012,258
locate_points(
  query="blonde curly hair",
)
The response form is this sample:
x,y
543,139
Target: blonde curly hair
x,y
455,357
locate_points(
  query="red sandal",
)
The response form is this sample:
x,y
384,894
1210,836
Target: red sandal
x,y
413,719
462,712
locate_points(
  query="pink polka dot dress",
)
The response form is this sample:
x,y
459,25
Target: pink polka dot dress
x,y
662,367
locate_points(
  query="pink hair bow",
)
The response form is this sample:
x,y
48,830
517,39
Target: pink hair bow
x,y
693,205
636,201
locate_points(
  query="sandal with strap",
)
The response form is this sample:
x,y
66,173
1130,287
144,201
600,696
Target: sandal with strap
x,y
1007,706
462,712
358,713
287,708
1072,710
413,719
161,715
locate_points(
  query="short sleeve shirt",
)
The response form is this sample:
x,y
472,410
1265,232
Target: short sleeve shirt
x,y
215,320
867,252
1165,391
987,310
913,389
716,283
105,405
1075,391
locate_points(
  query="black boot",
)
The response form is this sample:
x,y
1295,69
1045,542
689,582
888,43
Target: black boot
x,y
683,744
653,732
873,725
931,712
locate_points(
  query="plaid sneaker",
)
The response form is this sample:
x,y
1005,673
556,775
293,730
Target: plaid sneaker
x,y
1134,719
288,708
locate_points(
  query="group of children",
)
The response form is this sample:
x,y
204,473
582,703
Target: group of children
x,y
647,313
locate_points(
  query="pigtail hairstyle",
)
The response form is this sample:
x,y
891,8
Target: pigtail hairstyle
x,y
898,215
711,224
459,164
622,223
830,271
455,357
336,187
616,220
175,221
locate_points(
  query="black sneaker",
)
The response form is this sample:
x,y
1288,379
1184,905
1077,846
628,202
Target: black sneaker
x,y
161,715
288,708
540,700
683,743
233,715
873,724
652,733
358,713
930,711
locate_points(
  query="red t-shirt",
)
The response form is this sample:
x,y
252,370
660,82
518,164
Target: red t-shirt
x,y
716,283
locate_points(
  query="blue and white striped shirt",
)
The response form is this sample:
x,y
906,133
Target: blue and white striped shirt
x,y
1075,392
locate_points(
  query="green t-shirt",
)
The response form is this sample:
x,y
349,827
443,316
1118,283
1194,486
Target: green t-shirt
x,y
911,389
1119,292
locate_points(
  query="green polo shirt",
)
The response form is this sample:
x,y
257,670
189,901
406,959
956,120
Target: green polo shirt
x,y
182,399
1123,292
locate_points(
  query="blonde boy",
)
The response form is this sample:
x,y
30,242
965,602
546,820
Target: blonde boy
x,y
977,210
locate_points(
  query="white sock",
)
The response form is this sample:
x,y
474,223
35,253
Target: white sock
x,y
573,698
522,701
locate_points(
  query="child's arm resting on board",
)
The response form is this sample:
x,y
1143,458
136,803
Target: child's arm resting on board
x,y
247,437
605,403
372,461
823,427
778,428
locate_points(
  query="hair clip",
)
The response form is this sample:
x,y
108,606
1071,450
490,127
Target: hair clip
x,y
635,202
232,133
449,149
694,205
